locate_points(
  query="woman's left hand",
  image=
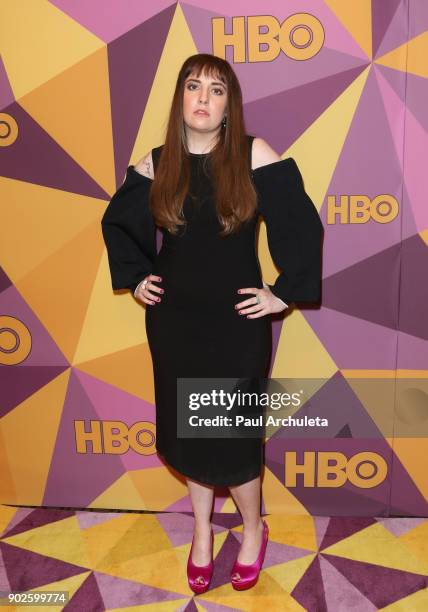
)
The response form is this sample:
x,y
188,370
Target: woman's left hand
x,y
268,303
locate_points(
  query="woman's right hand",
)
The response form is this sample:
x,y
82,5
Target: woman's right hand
x,y
146,287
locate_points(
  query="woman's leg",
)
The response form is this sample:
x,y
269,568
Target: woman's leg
x,y
247,498
202,497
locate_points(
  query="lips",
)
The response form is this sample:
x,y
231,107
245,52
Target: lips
x,y
203,113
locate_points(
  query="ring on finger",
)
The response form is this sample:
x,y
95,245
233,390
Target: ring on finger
x,y
257,299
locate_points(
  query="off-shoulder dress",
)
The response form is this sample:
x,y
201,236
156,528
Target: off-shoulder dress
x,y
195,330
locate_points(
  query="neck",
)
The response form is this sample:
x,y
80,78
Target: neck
x,y
200,143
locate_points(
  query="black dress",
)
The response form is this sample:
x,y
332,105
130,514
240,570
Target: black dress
x,y
195,331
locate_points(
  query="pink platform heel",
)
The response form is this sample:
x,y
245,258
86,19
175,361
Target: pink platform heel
x,y
195,572
249,573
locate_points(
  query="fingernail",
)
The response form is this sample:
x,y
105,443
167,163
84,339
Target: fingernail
x,y
161,291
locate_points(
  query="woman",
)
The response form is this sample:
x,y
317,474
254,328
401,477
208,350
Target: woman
x,y
207,305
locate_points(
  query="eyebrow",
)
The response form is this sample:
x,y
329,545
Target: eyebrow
x,y
212,82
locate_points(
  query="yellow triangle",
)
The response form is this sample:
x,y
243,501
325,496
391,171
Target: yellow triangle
x,y
7,485
357,19
33,426
268,268
160,569
60,540
293,530
122,489
412,453
114,320
160,606
317,162
52,41
417,540
69,585
179,45
300,354
277,498
288,574
119,370
67,277
416,602
158,487
409,57
74,108
377,545
103,540
53,219
6,514
267,593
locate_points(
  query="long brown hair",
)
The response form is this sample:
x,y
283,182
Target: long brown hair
x,y
235,197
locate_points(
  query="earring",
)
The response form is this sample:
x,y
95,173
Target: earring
x,y
223,123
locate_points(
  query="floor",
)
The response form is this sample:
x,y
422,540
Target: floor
x,y
137,561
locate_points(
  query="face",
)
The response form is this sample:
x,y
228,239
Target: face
x,y
207,94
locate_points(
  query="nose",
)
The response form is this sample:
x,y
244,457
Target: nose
x,y
204,96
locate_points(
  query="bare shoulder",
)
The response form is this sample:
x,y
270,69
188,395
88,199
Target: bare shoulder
x,y
262,154
145,165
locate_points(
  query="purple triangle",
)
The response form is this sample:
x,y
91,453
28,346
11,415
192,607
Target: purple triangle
x,y
4,581
36,157
414,95
368,289
39,518
341,527
133,62
88,519
121,593
368,173
20,382
380,585
6,93
108,401
341,594
87,597
92,472
321,525
382,16
300,106
400,526
189,607
109,19
224,560
44,351
346,339
413,292
27,570
19,516
309,591
409,20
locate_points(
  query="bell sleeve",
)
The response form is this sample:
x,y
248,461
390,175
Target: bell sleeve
x,y
294,231
129,232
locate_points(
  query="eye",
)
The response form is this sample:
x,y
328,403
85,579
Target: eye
x,y
219,89
189,85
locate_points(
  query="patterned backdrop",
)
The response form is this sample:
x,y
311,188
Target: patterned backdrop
x,y
85,90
